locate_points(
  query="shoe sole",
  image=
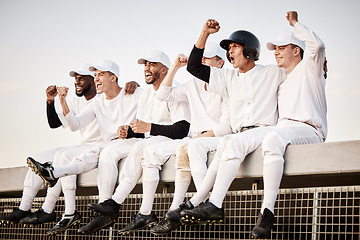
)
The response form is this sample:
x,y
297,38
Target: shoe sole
x,y
149,225
64,229
36,171
96,229
190,220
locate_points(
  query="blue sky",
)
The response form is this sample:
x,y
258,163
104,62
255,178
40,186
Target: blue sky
x,y
41,41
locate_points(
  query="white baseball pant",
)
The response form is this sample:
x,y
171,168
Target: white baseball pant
x,y
131,170
273,148
230,154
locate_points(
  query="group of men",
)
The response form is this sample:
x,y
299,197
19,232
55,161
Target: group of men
x,y
233,111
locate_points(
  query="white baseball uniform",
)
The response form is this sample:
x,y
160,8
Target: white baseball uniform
x,y
89,136
110,114
208,112
252,99
302,112
150,110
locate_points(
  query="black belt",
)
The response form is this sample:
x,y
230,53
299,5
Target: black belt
x,y
243,129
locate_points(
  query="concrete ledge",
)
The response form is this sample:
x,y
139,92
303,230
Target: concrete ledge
x,y
327,159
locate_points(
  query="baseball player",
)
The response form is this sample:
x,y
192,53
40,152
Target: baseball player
x,y
84,86
209,121
111,109
160,122
302,109
251,90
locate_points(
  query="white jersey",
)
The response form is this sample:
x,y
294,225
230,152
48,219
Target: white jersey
x,y
151,110
302,95
252,96
110,114
90,133
208,111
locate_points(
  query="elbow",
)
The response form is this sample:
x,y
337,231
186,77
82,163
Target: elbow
x,y
185,129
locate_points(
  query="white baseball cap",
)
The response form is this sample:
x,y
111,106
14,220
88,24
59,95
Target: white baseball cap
x,y
213,49
156,56
285,38
106,66
84,70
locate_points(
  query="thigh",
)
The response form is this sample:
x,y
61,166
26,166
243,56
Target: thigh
x,y
295,133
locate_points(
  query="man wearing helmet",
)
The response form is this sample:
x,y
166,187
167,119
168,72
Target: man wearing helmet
x,y
302,109
251,91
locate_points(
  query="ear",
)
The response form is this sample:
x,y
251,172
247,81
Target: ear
x,y
113,78
164,70
297,51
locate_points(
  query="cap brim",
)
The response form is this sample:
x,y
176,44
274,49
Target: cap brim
x,y
144,60
74,73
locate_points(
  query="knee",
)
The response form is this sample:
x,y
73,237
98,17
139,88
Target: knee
x,y
273,144
108,155
182,159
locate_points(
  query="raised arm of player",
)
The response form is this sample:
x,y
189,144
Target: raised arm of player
x,y
52,117
211,26
62,91
180,61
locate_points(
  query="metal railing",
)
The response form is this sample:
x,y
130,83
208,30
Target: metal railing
x,y
302,213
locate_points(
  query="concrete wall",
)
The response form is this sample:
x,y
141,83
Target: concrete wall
x,y
333,162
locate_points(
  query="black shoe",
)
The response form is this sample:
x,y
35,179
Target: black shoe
x,y
165,226
204,213
39,217
97,222
139,222
174,215
15,216
108,208
263,225
65,222
44,170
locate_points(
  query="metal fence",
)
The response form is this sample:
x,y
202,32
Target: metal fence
x,y
304,213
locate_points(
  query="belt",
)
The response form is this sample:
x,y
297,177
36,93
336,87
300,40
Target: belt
x,y
243,129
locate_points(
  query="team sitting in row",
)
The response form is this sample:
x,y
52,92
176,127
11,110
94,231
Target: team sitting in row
x,y
233,111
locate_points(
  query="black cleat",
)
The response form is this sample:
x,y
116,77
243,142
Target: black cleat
x,y
15,216
139,222
263,225
108,208
44,170
204,213
174,215
65,222
165,226
97,222
39,217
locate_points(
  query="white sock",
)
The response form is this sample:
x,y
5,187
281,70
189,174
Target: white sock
x,y
69,195
150,182
52,196
225,176
182,182
273,172
73,168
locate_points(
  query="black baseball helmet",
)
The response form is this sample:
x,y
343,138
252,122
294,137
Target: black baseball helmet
x,y
250,41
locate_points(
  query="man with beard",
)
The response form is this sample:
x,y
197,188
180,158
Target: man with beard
x,y
111,109
160,122
84,86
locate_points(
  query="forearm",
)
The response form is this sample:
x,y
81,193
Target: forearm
x,y
195,66
52,117
177,130
201,42
64,106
